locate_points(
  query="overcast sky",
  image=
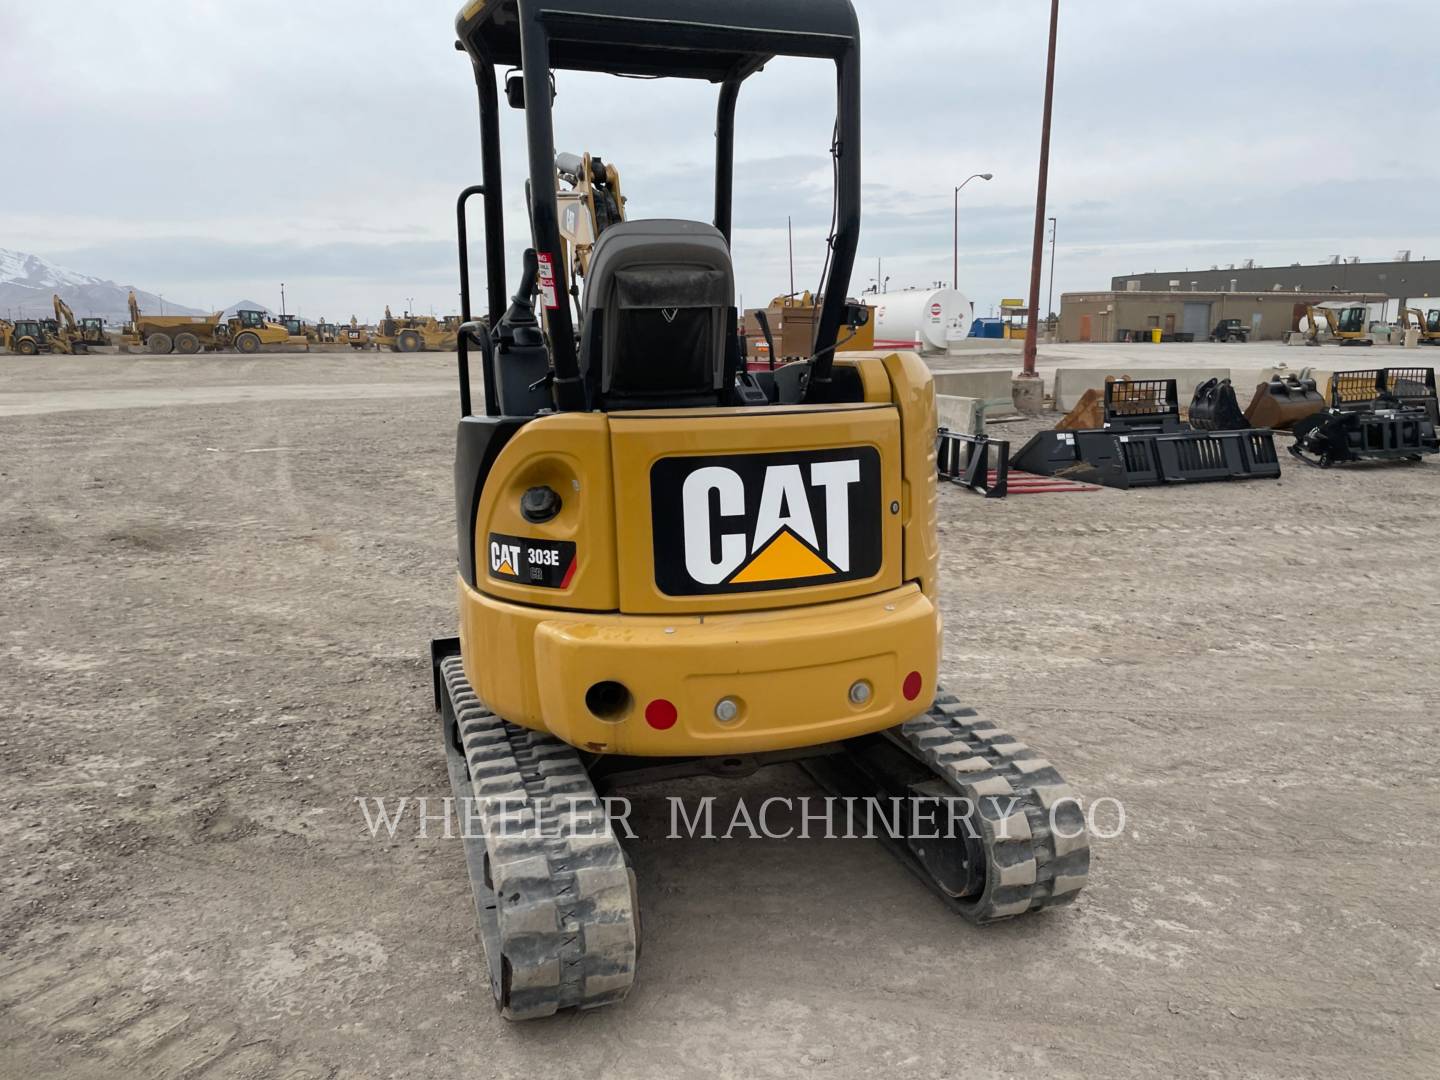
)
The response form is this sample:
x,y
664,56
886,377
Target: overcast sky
x,y
209,151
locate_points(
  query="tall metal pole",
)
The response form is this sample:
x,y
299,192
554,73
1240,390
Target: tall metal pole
x,y
955,278
1038,255
1050,304
790,233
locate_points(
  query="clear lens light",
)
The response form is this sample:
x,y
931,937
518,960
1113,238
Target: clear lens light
x,y
726,710
860,693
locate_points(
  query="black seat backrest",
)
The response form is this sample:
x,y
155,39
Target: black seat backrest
x,y
658,315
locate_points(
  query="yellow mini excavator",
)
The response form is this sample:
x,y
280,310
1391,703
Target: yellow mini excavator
x,y
1427,323
1346,326
670,566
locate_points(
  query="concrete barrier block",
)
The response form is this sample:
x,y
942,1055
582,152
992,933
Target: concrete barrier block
x,y
965,415
991,385
1071,383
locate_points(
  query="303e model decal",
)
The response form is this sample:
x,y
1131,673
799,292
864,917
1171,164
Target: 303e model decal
x,y
549,564
746,522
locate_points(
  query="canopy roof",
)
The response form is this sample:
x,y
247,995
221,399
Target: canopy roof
x,y
698,39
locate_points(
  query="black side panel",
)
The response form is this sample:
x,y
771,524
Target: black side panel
x,y
792,382
478,441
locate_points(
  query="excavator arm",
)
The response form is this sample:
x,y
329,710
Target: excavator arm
x,y
590,204
65,317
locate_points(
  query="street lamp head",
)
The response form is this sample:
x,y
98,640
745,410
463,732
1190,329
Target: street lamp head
x,y
987,176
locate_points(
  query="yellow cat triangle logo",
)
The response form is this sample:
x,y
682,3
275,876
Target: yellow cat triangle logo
x,y
785,558
506,568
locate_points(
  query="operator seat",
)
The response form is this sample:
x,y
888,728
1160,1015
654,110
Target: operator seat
x,y
659,316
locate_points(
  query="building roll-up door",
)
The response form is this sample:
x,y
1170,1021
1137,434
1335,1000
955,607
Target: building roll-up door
x,y
1197,320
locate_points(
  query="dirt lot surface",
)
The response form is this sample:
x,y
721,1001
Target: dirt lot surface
x,y
218,580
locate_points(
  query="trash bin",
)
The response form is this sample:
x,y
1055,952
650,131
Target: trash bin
x,y
1155,336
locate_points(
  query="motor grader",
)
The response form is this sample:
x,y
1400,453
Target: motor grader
x,y
670,566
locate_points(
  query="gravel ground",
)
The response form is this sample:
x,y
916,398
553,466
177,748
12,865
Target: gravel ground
x,y
217,594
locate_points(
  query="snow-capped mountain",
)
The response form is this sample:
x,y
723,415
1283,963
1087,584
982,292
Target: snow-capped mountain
x,y
28,284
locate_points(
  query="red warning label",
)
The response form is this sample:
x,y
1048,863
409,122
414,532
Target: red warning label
x,y
549,295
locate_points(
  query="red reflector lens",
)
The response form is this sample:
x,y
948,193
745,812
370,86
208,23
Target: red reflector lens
x,y
661,714
912,686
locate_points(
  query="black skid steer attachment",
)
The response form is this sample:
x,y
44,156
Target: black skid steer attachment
x,y
1143,442
1215,408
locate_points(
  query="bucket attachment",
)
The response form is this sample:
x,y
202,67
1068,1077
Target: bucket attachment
x,y
1282,403
1337,436
1215,408
1380,388
1087,413
1143,443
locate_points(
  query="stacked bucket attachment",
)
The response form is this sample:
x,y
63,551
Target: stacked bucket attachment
x,y
1282,403
1381,414
1143,442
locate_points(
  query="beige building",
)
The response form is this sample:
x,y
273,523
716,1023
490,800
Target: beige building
x,y
1116,316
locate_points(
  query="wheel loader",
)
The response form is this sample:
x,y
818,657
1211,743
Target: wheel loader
x,y
670,566
248,331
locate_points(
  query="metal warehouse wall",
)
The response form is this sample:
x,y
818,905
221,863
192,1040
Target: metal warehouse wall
x,y
1395,280
1105,316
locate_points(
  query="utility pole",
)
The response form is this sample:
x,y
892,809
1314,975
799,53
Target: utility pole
x,y
282,299
1031,392
1050,304
790,232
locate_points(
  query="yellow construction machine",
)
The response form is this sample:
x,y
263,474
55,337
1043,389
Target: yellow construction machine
x,y
1427,322
417,333
70,336
356,335
27,337
590,203
162,334
1347,326
670,566
299,335
248,331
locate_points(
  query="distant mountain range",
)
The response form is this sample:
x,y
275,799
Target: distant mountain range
x,y
29,283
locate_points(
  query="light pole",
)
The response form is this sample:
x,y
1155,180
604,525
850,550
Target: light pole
x,y
1050,304
282,299
955,277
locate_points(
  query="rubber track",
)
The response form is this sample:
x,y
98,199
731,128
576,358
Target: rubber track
x,y
556,882
1036,845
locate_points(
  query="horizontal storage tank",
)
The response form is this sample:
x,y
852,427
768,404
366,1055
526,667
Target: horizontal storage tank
x,y
938,316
